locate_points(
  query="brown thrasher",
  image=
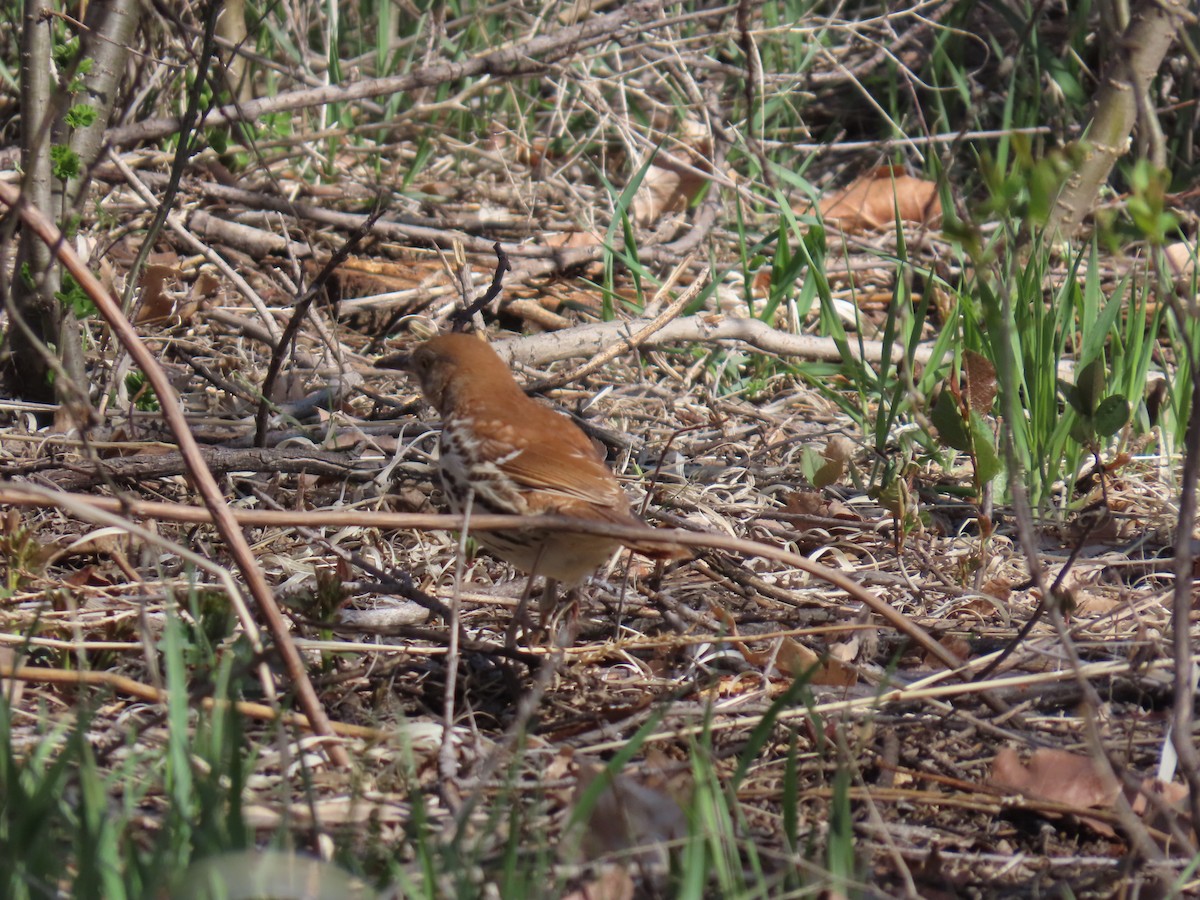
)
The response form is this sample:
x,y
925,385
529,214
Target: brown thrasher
x,y
511,454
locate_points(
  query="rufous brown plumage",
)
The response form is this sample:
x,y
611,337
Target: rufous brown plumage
x,y
511,454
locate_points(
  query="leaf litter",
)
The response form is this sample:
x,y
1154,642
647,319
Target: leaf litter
x,y
703,649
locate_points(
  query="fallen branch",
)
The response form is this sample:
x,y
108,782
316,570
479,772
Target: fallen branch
x,y
589,340
602,358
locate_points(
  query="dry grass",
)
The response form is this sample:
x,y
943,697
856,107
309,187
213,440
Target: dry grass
x,y
883,756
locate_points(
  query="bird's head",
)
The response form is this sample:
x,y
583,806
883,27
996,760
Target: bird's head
x,y
452,368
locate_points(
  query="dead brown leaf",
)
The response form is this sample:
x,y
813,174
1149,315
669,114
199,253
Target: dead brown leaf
x,y
872,201
838,453
156,301
1173,794
1059,777
204,289
981,385
664,191
795,659
956,645
999,588
813,503
674,180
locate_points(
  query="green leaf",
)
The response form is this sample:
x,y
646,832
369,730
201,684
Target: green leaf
x,y
948,420
1083,430
75,298
139,388
1111,415
64,162
70,226
1090,383
81,115
65,52
1071,396
987,463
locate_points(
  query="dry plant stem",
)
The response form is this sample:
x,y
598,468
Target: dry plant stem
x,y
184,151
614,350
885,144
1019,685
387,229
402,584
91,513
1152,28
200,247
460,319
153,695
1183,720
219,460
521,58
205,483
299,311
754,84
179,513
447,762
254,242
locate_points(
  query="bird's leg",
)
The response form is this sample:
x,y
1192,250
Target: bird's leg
x,y
521,616
548,601
567,610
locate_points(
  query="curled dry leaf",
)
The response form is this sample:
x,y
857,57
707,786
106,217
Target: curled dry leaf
x,y
1172,794
838,453
1059,777
846,651
156,301
664,190
1000,588
981,387
671,182
100,542
872,201
814,503
795,659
